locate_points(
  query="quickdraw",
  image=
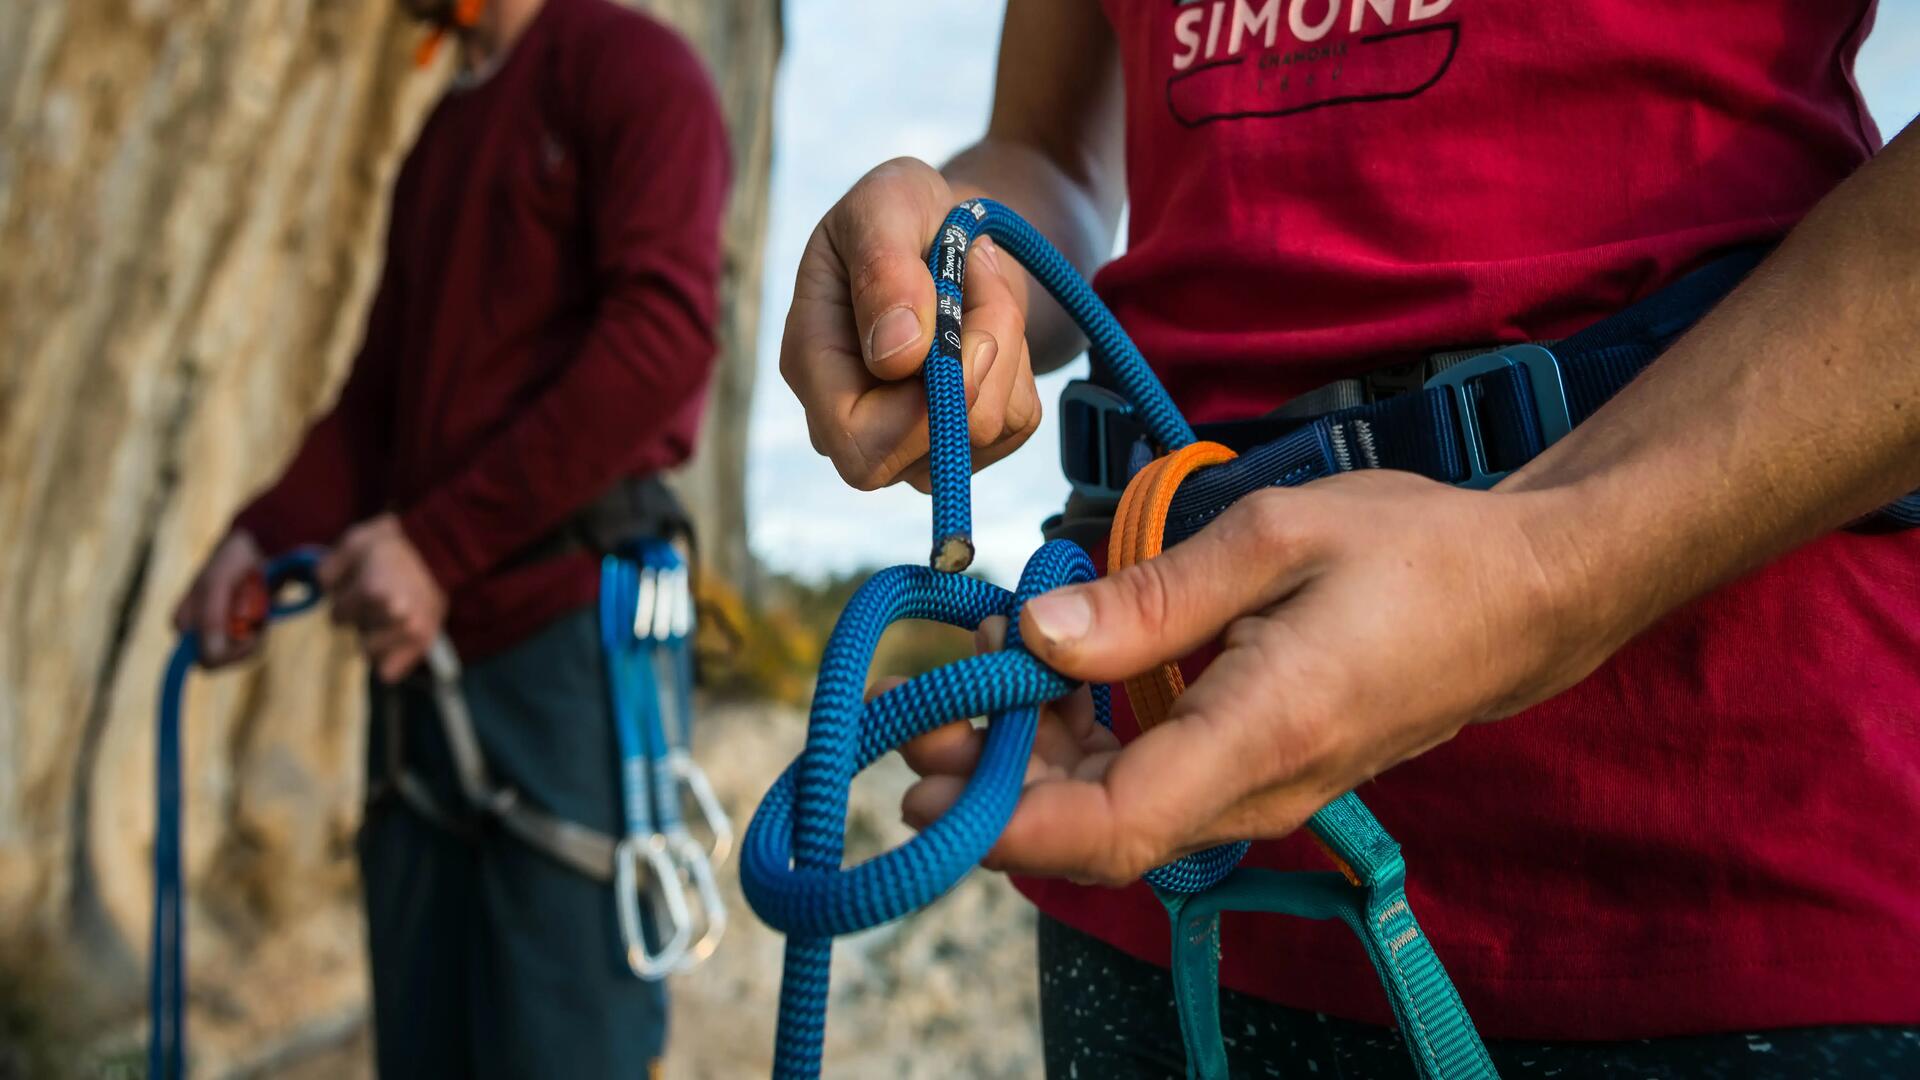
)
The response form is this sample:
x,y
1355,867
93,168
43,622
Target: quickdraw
x,y
260,602
791,864
646,628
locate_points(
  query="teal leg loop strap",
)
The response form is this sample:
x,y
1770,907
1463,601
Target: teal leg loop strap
x,y
1439,1036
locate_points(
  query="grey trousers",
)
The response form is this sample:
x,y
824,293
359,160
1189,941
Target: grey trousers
x,y
490,959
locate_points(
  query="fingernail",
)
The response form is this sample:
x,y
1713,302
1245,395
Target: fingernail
x,y
989,252
1060,618
216,643
983,356
893,331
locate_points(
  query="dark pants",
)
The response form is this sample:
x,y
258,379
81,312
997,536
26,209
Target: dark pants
x,y
1105,1014
490,959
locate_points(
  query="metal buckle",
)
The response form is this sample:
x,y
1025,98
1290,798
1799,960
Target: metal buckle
x,y
1549,398
1092,418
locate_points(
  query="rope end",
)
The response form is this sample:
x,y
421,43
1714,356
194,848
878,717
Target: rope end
x,y
953,554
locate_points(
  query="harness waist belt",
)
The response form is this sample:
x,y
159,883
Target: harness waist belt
x,y
1466,418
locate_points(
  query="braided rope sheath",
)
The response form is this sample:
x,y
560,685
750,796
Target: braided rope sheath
x,y
791,859
1112,352
791,862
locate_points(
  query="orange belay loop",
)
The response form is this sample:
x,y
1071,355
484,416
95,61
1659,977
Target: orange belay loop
x,y
1139,529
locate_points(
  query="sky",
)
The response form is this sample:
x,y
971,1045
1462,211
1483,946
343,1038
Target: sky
x,y
858,85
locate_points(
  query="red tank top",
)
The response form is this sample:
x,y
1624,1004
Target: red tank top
x,y
1717,830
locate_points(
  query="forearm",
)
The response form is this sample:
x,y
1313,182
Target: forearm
x,y
1052,151
1791,409
1077,215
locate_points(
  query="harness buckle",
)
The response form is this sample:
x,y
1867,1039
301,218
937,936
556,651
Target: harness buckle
x,y
1549,401
1099,434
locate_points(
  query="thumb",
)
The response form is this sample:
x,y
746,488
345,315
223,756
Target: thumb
x,y
882,230
338,564
1253,556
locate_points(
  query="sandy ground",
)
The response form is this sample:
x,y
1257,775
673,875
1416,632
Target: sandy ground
x,y
949,992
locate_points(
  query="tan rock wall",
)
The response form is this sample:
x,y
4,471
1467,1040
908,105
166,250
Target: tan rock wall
x,y
190,199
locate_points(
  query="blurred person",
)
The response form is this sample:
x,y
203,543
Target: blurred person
x,y
1685,847
538,348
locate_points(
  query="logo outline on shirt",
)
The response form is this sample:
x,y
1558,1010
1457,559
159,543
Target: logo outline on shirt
x,y
1272,80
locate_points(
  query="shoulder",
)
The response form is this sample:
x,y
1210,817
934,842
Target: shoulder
x,y
624,55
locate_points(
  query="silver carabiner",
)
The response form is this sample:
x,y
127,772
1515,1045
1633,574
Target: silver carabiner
x,y
690,776
693,861
649,964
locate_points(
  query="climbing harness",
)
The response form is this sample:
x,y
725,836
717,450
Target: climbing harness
x,y
646,629
259,603
646,625
649,655
1367,894
1473,419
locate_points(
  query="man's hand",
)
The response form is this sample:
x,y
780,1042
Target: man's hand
x,y
208,608
381,587
862,320
1364,620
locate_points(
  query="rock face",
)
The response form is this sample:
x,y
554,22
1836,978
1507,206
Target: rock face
x,y
190,199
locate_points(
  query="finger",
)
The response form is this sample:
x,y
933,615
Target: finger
x,y
994,333
1122,813
216,604
930,797
879,431
358,602
919,476
340,563
394,651
1255,554
990,635
1023,408
1076,715
950,749
881,231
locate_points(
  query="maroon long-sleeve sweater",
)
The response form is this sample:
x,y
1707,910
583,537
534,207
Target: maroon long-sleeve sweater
x,y
544,323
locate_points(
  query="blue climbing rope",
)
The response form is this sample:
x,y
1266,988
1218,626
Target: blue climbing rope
x,y
167,970
1112,352
792,862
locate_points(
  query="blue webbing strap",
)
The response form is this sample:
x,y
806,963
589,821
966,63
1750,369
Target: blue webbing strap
x,y
791,864
1421,431
646,624
633,696
167,959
